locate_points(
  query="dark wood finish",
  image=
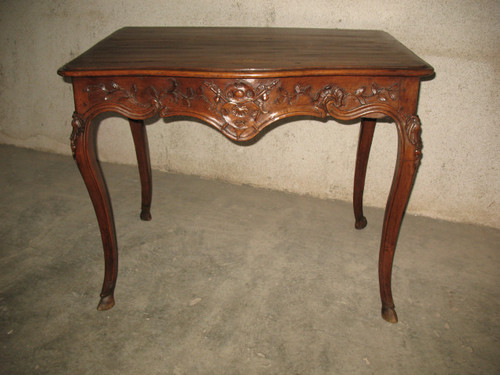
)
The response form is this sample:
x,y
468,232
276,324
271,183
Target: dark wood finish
x,y
241,52
84,146
241,80
366,131
142,151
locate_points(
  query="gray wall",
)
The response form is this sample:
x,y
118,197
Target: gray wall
x,y
459,178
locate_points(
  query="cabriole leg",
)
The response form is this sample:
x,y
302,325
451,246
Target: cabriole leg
x,y
83,142
365,141
409,154
142,151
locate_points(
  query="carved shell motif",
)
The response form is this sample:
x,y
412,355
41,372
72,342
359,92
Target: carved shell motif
x,y
240,104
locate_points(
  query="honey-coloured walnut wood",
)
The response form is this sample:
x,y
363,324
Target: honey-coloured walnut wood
x,y
241,80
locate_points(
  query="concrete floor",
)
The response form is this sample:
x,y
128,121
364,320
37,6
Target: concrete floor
x,y
232,280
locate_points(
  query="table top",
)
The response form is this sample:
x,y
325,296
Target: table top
x,y
246,52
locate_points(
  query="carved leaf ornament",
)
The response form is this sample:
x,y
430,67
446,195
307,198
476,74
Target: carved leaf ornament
x,y
78,125
240,108
413,130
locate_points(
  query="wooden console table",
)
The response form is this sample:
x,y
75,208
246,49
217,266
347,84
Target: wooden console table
x,y
241,80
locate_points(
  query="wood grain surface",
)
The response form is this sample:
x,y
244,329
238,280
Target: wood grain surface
x,y
235,52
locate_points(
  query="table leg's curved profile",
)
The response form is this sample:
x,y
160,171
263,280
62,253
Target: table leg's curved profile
x,y
83,145
142,151
366,131
408,160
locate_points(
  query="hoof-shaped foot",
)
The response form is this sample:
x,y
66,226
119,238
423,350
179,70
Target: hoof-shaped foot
x,y
360,224
106,303
146,215
389,314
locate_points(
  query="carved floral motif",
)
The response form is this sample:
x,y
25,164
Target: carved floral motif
x,y
382,94
238,107
339,96
114,92
159,99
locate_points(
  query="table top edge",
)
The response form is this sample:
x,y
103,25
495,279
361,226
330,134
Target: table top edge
x,y
94,64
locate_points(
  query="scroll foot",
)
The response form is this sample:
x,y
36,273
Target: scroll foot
x,y
361,223
389,314
106,303
146,214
